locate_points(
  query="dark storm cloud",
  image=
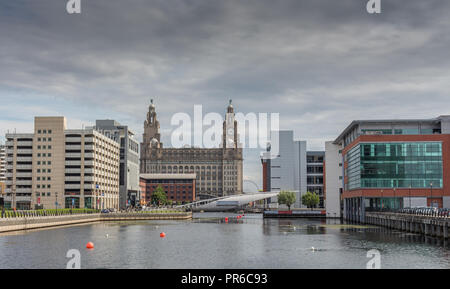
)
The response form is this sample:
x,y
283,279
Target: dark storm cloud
x,y
319,63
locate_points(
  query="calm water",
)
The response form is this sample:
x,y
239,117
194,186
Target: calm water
x,y
209,242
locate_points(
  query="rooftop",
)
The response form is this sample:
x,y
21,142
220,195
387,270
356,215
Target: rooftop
x,y
355,123
167,176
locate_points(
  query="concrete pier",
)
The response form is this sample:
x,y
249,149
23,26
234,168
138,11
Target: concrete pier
x,y
426,225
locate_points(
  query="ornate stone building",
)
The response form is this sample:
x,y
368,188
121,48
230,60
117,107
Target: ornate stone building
x,y
219,171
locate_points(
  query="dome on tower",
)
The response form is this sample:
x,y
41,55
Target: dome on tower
x,y
152,105
230,107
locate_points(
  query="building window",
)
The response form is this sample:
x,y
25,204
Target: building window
x,y
391,165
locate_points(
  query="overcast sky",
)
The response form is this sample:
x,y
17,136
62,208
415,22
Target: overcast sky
x,y
319,63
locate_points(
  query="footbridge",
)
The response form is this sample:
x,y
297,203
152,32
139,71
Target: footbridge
x,y
227,203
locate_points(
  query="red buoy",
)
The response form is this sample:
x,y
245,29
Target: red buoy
x,y
90,245
162,235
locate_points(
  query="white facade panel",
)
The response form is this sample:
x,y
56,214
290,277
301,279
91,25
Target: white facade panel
x,y
333,181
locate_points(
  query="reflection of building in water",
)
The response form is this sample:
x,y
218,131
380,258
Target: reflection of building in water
x,y
219,171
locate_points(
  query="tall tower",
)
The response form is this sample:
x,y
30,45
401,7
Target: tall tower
x,y
151,128
230,132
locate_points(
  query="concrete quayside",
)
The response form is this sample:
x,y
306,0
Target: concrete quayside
x,y
38,222
426,225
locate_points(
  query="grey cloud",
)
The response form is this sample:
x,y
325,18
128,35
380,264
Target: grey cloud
x,y
319,63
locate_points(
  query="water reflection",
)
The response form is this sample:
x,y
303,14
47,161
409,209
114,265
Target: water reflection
x,y
208,241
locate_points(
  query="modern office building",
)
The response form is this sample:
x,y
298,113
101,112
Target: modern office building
x,y
315,174
129,190
389,164
219,171
56,166
179,188
287,165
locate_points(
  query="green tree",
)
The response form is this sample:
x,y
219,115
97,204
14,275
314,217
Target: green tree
x,y
287,198
159,196
310,200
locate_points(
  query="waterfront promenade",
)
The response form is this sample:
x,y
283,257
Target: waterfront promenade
x,y
426,225
33,221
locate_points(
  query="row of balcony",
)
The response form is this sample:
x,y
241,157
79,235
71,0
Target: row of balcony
x,y
19,190
78,147
19,143
18,198
78,155
78,171
85,186
19,182
78,178
23,175
89,139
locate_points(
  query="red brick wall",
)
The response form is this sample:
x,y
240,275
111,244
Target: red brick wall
x,y
264,166
171,189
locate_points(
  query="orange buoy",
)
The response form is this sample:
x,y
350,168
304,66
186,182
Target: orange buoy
x,y
162,235
90,245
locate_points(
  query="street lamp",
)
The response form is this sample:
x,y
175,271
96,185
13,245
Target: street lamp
x,y
409,196
431,194
382,200
395,200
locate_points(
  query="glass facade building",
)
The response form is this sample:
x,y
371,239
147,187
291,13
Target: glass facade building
x,y
395,165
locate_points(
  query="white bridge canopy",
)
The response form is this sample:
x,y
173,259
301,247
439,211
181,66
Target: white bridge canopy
x,y
228,202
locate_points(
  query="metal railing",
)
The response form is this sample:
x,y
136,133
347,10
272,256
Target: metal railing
x,y
45,213
419,211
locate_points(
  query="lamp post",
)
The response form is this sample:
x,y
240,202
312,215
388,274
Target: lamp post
x,y
431,197
395,200
381,199
409,196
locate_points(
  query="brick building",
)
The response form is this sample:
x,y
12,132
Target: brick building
x,y
178,187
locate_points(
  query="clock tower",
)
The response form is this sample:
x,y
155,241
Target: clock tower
x,y
230,136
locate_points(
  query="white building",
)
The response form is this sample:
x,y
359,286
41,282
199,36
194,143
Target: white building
x,y
129,194
333,179
285,165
